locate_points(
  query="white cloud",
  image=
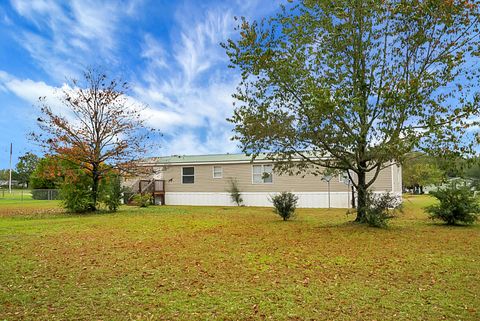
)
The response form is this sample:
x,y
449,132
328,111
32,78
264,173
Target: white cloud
x,y
71,34
189,143
199,47
190,97
185,81
30,91
153,51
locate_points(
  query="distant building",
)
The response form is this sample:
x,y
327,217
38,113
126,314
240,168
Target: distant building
x,y
4,183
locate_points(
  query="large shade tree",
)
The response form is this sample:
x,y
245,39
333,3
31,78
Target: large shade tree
x,y
25,167
101,128
354,85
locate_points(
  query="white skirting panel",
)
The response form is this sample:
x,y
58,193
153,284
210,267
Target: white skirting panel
x,y
305,199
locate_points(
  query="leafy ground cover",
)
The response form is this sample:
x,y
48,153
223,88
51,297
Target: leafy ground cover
x,y
193,263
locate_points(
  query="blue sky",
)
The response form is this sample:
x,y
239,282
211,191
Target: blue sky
x,y
167,50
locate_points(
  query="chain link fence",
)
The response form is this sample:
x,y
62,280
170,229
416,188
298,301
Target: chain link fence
x,y
27,194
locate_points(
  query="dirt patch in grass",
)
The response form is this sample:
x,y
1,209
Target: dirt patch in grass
x,y
29,209
191,263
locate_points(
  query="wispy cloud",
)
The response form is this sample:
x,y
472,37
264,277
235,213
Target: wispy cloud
x,y
153,51
190,97
200,36
181,74
70,34
30,91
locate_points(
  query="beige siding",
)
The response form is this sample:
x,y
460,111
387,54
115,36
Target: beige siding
x,y
204,181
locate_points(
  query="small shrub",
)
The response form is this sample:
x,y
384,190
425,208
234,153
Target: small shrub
x,y
285,204
112,192
380,209
77,197
457,205
235,194
142,200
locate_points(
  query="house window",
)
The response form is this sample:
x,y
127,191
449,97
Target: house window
x,y
262,174
188,175
217,172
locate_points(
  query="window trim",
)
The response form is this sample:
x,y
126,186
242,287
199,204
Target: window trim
x,y
213,171
263,171
182,175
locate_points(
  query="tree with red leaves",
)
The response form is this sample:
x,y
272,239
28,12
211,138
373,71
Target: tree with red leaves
x,y
102,130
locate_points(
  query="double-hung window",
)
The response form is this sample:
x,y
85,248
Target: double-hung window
x,y
217,172
188,175
262,174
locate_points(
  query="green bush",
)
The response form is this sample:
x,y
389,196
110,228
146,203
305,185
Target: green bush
x,y
457,205
285,204
381,208
142,200
112,192
76,194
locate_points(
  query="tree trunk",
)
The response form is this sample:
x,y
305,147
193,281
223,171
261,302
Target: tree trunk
x,y
361,197
353,197
95,183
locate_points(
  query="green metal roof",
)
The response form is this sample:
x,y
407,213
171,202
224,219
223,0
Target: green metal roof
x,y
212,158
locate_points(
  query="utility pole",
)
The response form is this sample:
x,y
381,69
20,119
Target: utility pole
x,y
10,174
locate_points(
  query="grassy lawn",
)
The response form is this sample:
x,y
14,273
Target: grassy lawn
x,y
234,263
15,195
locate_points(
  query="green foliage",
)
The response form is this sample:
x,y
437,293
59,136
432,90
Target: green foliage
x,y
142,200
420,170
26,166
76,185
285,204
457,205
380,208
111,192
472,171
76,192
235,193
5,174
353,85
48,174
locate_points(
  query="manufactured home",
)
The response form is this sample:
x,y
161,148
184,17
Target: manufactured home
x,y
206,179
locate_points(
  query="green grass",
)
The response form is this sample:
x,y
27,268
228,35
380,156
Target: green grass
x,y
15,195
193,263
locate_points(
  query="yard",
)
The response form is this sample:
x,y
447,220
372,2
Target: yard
x,y
233,263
